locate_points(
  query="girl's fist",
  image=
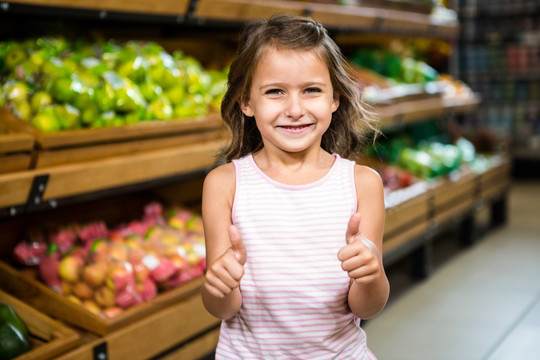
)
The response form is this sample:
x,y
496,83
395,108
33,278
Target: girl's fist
x,y
226,272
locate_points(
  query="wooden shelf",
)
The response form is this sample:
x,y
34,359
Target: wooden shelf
x,y
353,18
422,109
414,221
81,178
163,7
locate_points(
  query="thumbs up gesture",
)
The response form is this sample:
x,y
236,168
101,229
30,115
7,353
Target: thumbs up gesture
x,y
360,258
226,272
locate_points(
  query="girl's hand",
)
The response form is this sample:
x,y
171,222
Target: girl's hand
x,y
360,257
225,273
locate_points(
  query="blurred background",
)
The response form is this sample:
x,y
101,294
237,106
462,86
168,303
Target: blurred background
x,y
109,122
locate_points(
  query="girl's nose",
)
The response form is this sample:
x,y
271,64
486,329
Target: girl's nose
x,y
294,108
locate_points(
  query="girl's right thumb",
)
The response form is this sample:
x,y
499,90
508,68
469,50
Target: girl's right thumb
x,y
237,244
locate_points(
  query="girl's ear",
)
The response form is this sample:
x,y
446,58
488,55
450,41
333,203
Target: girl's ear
x,y
335,102
247,110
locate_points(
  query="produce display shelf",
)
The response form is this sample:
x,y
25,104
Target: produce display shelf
x,y
355,18
411,111
32,291
167,7
413,222
81,178
139,332
49,338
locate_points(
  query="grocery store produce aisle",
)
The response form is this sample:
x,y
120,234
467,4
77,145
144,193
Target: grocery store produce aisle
x,y
483,304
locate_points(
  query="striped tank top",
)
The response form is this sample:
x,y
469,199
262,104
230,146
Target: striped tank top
x,y
294,292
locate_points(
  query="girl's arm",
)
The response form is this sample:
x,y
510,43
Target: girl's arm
x,y
362,258
224,261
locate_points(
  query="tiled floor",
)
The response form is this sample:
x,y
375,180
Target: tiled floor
x,y
482,304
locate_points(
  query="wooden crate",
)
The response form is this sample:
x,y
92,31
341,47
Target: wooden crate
x,y
406,214
15,149
37,294
83,145
49,338
183,330
495,180
92,136
454,189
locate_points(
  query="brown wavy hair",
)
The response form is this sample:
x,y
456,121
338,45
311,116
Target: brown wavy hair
x,y
351,123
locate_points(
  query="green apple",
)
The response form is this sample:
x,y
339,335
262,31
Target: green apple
x,y
16,91
39,100
46,120
160,109
104,97
68,116
176,94
89,114
150,90
14,57
22,110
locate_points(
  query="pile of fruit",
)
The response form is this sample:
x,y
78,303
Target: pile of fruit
x,y
426,159
399,69
14,336
56,85
108,270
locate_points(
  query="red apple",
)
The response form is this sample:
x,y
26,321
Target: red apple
x,y
127,298
147,289
48,271
118,277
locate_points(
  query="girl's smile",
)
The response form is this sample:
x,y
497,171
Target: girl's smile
x,y
295,129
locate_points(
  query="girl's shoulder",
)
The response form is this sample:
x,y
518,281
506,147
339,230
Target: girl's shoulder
x,y
221,178
367,178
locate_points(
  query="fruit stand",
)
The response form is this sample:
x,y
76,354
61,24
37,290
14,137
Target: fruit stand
x,y
109,173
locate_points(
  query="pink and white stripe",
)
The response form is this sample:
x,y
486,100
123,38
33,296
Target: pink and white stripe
x,y
294,290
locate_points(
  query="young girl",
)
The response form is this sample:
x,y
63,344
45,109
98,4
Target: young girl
x,y
290,269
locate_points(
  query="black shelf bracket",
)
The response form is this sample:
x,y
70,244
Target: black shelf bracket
x,y
35,197
100,351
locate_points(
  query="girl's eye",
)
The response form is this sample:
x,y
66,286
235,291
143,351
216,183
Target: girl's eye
x,y
273,92
313,90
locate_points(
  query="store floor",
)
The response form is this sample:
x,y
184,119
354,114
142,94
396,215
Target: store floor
x,y
480,303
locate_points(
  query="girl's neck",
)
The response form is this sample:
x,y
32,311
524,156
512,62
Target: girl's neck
x,y
294,168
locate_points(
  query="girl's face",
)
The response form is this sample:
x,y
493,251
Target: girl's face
x,y
292,99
